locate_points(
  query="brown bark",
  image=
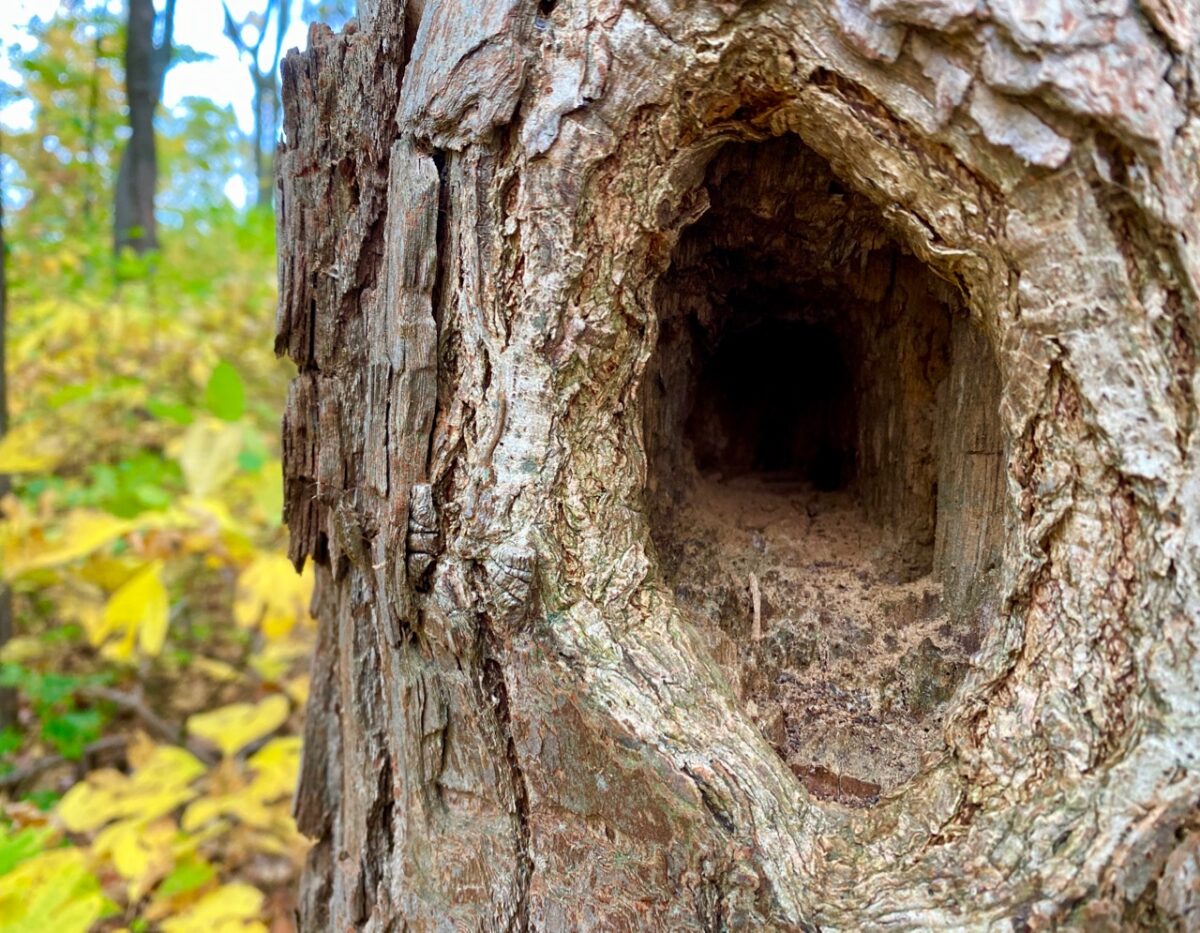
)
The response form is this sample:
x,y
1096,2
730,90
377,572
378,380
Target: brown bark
x,y
557,687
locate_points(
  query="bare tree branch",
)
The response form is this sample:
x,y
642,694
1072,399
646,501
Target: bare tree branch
x,y
158,726
40,766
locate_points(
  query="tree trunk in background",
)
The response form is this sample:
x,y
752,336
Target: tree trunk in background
x,y
513,235
265,134
134,223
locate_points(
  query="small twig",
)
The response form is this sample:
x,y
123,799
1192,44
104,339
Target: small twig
x,y
40,766
150,719
756,602
132,704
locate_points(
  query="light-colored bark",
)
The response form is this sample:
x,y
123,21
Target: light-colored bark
x,y
513,724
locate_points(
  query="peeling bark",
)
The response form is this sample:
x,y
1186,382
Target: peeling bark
x,y
487,216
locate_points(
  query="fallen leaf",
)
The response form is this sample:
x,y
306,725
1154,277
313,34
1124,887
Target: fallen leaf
x,y
82,533
139,609
52,891
231,908
270,594
208,455
154,790
232,728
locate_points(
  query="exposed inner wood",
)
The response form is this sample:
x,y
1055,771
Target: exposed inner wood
x,y
819,416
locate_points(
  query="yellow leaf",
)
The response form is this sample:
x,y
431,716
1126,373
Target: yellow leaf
x,y
140,751
51,891
154,790
231,908
241,806
215,669
270,593
141,607
208,455
277,767
85,605
22,649
283,839
233,727
274,662
141,853
28,448
105,572
297,688
82,533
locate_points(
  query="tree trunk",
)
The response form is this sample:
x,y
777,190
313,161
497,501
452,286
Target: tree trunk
x,y
749,453
266,133
146,63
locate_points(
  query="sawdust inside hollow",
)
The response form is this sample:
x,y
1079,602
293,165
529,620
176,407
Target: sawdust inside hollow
x,y
826,467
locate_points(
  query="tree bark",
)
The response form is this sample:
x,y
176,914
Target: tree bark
x,y
134,223
552,690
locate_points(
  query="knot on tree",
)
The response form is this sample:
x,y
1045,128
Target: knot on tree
x,y
509,573
424,540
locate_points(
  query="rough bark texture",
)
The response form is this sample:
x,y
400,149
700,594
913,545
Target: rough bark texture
x,y
492,214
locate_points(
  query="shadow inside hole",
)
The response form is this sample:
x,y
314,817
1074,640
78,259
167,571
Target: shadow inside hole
x,y
825,468
778,398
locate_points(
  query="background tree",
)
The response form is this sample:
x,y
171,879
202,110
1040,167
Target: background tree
x,y
147,58
504,253
259,40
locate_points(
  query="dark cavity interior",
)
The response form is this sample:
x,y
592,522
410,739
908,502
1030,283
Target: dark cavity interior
x,y
776,396
826,467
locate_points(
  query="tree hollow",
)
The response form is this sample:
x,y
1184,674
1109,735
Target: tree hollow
x,y
825,467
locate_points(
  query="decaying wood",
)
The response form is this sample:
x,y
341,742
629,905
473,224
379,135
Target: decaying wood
x,y
513,724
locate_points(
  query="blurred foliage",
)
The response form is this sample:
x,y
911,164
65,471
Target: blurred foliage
x,y
334,13
63,165
161,634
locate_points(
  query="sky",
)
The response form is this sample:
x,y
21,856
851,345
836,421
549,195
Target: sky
x,y
199,24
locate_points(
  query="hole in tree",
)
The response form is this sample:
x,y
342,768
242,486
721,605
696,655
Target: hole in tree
x,y
825,467
776,398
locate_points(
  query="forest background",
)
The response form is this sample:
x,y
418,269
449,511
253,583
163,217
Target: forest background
x,y
155,637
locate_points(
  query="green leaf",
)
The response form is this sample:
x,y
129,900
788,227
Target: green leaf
x,y
71,732
225,395
253,453
169,411
11,741
188,875
44,800
22,845
68,394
